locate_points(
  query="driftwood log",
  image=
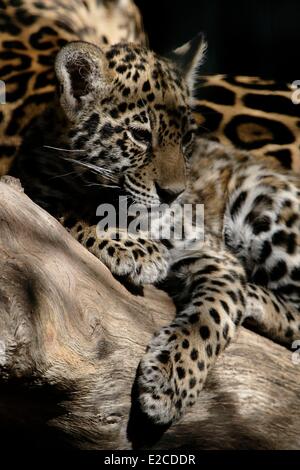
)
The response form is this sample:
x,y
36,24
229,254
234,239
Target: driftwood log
x,y
71,338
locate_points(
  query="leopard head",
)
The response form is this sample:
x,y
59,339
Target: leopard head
x,y
129,115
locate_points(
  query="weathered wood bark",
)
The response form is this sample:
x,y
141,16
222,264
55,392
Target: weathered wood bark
x,y
71,338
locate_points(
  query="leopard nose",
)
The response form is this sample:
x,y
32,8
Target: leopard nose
x,y
167,195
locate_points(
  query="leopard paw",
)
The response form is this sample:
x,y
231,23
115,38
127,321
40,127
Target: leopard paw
x,y
141,260
171,375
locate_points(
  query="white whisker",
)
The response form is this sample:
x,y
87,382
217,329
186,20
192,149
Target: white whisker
x,y
107,170
65,174
96,169
103,185
63,150
104,172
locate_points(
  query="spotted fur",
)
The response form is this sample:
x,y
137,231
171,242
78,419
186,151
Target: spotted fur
x,y
250,113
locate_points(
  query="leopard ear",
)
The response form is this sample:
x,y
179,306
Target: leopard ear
x,y
189,57
83,75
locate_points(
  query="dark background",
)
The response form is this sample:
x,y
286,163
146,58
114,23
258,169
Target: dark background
x,y
247,37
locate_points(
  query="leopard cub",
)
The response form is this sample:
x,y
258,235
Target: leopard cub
x,y
123,125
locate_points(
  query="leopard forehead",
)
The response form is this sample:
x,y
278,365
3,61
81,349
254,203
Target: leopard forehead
x,y
132,64
144,82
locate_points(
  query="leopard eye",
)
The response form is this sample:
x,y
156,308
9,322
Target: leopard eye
x,y
187,138
141,135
